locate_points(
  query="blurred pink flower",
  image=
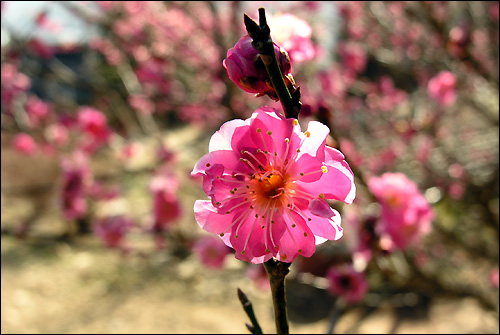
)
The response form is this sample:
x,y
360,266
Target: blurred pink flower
x,y
37,110
258,273
166,206
76,179
57,134
112,230
494,277
293,34
406,215
353,57
456,190
13,83
94,125
130,150
40,48
245,68
211,251
99,191
442,88
141,104
268,182
347,283
24,144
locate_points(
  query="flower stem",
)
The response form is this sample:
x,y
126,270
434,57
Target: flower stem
x,y
276,271
262,42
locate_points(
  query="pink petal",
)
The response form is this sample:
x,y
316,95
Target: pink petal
x,y
337,183
308,165
221,139
208,219
251,237
325,228
296,238
314,144
319,207
268,119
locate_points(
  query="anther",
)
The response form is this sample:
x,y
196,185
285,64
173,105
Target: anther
x,y
269,132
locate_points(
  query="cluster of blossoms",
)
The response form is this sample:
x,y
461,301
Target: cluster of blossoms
x,y
267,182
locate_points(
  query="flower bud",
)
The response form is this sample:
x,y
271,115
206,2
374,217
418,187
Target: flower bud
x,y
246,69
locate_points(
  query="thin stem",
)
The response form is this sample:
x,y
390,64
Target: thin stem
x,y
247,306
262,42
276,272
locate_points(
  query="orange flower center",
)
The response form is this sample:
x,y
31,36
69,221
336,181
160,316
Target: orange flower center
x,y
271,185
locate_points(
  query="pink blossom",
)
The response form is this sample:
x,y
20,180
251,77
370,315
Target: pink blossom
x,y
57,134
40,48
406,215
141,104
76,179
13,83
37,110
211,251
24,144
245,68
346,282
353,57
94,125
494,277
112,230
258,273
99,191
456,190
293,34
442,88
166,206
267,182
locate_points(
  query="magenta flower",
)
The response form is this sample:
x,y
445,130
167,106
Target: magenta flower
x,y
37,110
166,206
442,89
211,251
267,182
353,57
406,215
112,230
294,34
76,180
346,282
24,144
245,68
94,125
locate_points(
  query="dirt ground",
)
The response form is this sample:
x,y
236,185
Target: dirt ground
x,y
51,286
